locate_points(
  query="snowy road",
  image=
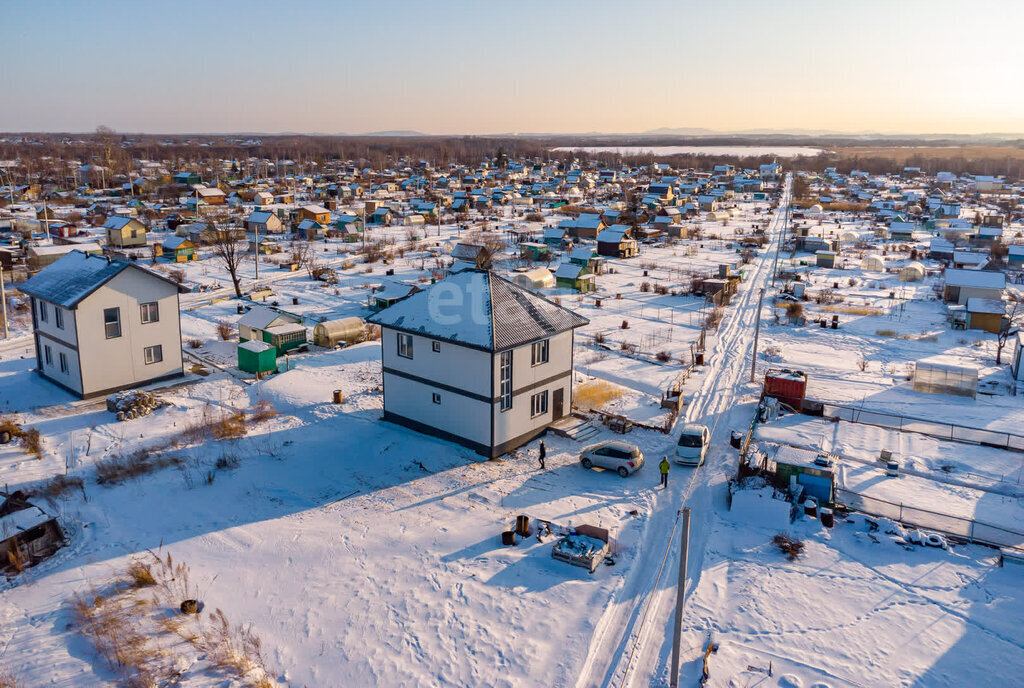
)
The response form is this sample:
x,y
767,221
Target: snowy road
x,y
631,645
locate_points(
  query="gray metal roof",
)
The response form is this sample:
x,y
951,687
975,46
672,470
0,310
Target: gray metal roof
x,y
116,222
69,280
259,216
479,309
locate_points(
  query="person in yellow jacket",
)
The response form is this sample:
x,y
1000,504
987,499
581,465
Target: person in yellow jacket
x,y
663,467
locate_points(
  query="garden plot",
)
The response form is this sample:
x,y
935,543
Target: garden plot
x,y
596,394
869,360
916,492
914,451
854,609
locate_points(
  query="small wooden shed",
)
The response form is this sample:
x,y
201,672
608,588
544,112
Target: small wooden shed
x,y
257,357
179,249
27,533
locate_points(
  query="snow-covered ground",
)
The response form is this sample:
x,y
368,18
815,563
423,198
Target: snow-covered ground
x,y
363,553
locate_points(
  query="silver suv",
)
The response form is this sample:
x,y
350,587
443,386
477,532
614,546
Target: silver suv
x,y
621,457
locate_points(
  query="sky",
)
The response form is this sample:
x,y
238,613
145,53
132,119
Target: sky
x,y
557,66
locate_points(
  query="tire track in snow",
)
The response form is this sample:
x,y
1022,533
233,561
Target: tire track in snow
x,y
621,640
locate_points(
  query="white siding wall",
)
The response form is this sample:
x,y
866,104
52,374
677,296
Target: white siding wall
x,y
50,326
120,362
71,378
455,366
472,371
517,420
455,414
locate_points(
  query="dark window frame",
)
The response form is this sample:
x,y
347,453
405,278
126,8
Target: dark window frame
x,y
505,380
158,349
153,306
539,404
405,345
107,323
540,352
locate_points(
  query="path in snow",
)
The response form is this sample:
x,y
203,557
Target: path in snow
x,y
632,640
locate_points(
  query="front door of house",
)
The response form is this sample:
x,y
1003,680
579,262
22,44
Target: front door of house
x,y
557,402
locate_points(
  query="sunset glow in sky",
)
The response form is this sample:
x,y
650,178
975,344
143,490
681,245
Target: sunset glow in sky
x,y
490,67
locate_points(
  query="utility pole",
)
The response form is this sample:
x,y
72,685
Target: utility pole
x,y
3,299
677,630
757,332
46,221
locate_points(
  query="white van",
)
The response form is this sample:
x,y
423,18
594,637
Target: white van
x,y
693,444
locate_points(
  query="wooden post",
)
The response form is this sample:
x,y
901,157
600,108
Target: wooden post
x,y
677,631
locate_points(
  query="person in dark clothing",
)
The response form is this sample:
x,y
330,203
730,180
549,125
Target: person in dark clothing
x,y
663,467
543,455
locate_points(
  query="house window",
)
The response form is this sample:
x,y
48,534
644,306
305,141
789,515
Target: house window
x,y
42,311
436,346
48,354
540,352
405,345
58,317
539,403
153,354
63,362
505,380
150,312
436,398
112,322
135,234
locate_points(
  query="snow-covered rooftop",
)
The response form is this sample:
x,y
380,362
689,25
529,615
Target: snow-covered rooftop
x,y
75,276
479,309
975,278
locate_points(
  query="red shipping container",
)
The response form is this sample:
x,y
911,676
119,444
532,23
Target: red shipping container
x,y
788,386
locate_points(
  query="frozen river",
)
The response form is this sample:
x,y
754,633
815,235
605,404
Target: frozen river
x,y
779,151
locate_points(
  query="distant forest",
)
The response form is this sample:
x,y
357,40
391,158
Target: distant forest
x,y
51,155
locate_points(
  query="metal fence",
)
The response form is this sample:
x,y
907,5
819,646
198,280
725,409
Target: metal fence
x,y
956,526
932,428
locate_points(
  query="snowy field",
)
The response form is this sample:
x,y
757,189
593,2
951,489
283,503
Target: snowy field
x,y
388,539
363,553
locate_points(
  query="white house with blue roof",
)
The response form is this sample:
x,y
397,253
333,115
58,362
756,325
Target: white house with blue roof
x,y
477,360
103,325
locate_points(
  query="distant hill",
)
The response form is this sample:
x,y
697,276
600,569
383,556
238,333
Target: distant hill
x,y
395,132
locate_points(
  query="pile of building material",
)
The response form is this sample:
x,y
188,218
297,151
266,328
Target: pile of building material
x,y
586,546
132,404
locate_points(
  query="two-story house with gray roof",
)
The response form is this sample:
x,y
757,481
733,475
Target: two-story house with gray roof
x,y
102,325
477,360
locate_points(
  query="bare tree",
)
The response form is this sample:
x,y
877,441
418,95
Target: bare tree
x,y
230,252
485,258
1009,327
311,261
